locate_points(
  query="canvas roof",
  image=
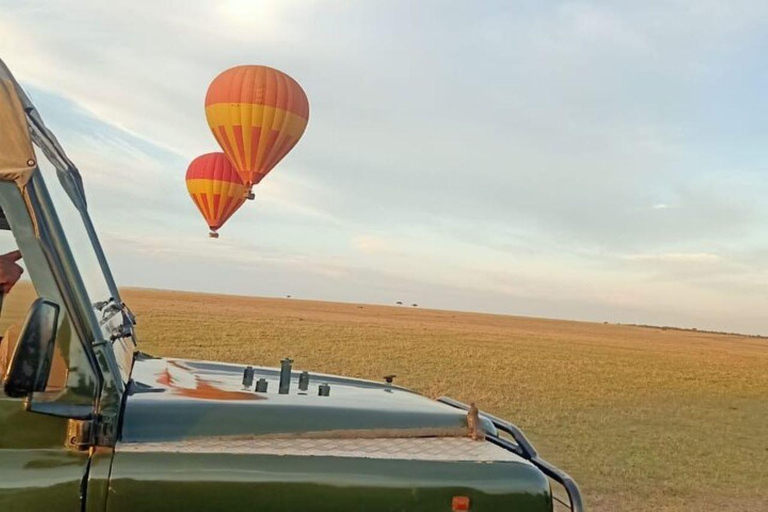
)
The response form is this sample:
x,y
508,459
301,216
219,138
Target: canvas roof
x,y
17,157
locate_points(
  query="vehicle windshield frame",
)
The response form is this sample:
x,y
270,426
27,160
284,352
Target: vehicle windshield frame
x,y
109,322
70,180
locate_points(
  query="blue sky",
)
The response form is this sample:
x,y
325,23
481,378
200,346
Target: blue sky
x,y
592,160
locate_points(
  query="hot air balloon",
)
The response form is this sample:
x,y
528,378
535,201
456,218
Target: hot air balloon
x,y
257,115
215,188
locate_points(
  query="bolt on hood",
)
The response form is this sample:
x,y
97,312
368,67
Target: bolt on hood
x,y
175,399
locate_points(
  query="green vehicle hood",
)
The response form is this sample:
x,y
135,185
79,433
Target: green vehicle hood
x,y
176,399
194,439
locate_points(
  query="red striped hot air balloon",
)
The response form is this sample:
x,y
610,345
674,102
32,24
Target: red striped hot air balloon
x,y
215,188
257,115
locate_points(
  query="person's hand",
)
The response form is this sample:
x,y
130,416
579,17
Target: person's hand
x,y
10,272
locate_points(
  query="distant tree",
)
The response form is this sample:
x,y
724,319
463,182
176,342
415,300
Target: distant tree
x,y
415,305
287,296
399,303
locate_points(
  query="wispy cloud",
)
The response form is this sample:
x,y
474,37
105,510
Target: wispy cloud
x,y
676,257
373,244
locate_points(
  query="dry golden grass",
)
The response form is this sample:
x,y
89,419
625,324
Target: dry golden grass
x,y
644,419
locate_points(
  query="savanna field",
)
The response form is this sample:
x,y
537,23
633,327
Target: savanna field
x,y
644,419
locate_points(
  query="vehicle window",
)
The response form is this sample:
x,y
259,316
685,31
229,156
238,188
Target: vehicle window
x,y
15,306
79,242
16,303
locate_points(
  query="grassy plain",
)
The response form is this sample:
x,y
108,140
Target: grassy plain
x,y
644,419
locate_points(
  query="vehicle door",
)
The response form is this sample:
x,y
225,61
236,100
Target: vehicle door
x,y
42,466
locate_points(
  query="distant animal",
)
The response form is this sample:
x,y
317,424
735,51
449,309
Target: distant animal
x,y
476,431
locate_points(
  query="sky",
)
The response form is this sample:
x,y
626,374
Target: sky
x,y
601,161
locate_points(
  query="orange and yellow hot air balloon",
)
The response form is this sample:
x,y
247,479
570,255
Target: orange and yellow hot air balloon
x,y
215,188
257,115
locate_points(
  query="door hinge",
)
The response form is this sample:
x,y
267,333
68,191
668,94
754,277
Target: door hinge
x,y
80,434
83,434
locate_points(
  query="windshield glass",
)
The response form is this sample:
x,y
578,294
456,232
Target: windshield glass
x,y
79,242
84,252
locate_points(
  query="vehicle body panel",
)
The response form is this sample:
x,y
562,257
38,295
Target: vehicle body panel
x,y
233,482
97,486
37,472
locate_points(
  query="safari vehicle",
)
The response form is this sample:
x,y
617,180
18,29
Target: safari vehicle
x,y
90,423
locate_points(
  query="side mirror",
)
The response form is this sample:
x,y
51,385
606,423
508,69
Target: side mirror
x,y
30,364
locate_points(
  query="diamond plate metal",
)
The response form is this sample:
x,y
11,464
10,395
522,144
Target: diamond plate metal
x,y
425,448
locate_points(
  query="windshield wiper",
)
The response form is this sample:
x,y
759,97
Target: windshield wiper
x,y
109,308
99,306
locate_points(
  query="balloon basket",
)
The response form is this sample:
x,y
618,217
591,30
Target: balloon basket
x,y
251,196
213,234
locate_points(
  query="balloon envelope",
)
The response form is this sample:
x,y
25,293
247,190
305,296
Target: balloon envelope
x,y
215,188
257,115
